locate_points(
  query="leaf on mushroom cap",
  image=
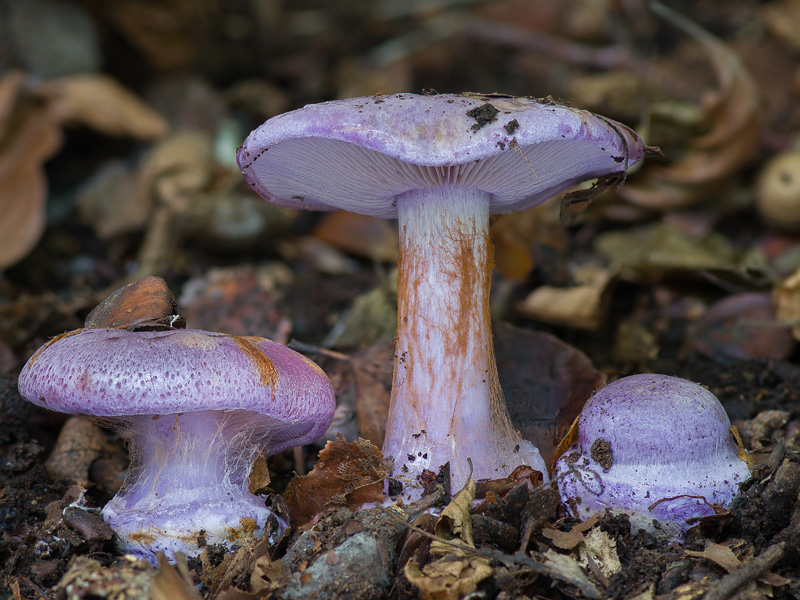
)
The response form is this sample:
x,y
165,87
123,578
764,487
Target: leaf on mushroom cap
x,y
358,154
116,372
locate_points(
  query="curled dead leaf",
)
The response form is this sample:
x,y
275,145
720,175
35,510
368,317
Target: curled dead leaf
x,y
727,134
455,522
143,303
100,102
360,235
346,474
29,135
583,306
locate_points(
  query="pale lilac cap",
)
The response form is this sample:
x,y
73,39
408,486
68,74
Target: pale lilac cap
x,y
358,154
112,373
652,439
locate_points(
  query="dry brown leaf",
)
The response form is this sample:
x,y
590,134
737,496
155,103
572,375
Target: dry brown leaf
x,y
516,235
259,478
122,198
741,326
725,558
268,575
545,382
360,235
731,119
566,540
169,585
100,102
448,579
148,301
363,384
582,306
455,522
566,568
649,252
79,444
29,135
346,474
787,303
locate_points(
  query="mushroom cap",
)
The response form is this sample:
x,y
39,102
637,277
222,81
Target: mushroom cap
x,y
358,154
646,438
113,373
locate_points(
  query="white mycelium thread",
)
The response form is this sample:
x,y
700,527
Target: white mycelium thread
x,y
447,405
189,483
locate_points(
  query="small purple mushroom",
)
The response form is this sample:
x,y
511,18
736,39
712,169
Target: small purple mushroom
x,y
652,447
196,408
440,164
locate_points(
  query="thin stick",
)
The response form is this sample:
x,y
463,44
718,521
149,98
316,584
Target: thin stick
x,y
729,584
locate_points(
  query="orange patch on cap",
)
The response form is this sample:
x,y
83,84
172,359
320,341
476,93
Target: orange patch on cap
x,y
266,370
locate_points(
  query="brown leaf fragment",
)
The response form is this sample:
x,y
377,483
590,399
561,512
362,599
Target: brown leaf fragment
x,y
363,383
168,584
741,326
724,557
29,135
505,484
79,444
565,568
148,301
726,137
360,235
100,102
267,575
574,203
545,381
587,524
455,522
566,540
346,474
584,305
259,479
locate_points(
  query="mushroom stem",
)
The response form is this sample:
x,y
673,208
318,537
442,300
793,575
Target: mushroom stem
x,y
447,404
190,470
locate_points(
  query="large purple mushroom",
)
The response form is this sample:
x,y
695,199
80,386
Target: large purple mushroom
x,y
653,447
440,164
196,408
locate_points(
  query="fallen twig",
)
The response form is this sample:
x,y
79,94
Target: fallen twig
x,y
757,567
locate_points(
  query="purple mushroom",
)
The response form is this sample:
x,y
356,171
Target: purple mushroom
x,y
196,408
440,164
652,447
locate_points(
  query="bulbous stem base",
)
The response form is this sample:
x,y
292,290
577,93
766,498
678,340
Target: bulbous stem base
x,y
188,487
